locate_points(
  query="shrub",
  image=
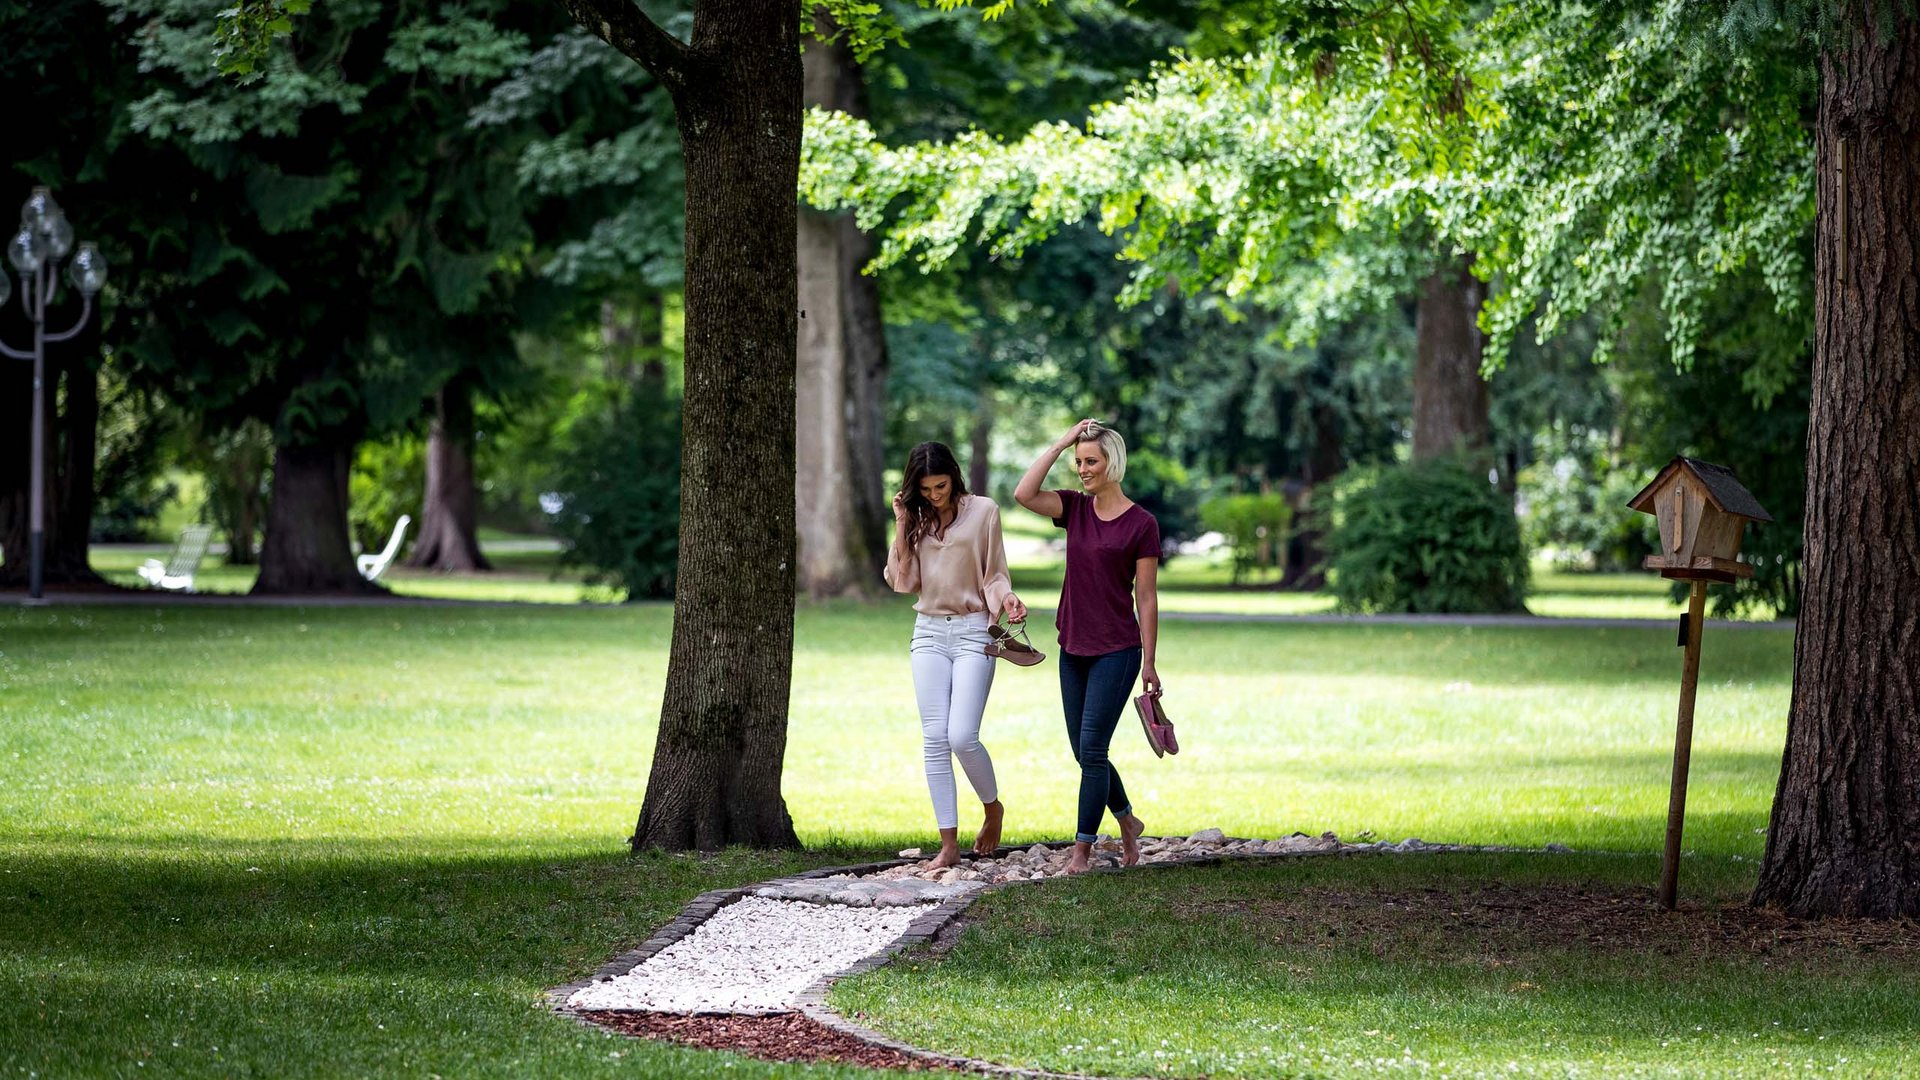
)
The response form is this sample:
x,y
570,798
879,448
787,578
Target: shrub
x,y
1162,486
1576,508
1257,528
617,492
1431,537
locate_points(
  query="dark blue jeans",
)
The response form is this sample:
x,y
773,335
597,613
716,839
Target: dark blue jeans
x,y
1094,690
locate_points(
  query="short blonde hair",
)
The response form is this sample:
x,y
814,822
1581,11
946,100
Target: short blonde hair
x,y
1112,445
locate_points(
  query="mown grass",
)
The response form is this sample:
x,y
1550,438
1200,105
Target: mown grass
x,y
357,841
1456,965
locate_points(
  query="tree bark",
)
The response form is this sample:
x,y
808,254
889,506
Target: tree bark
x,y
979,442
867,367
1449,396
1845,833
307,551
69,448
449,538
836,547
715,778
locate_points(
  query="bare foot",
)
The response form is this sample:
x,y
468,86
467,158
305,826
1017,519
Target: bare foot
x,y
989,839
949,850
1077,862
1130,831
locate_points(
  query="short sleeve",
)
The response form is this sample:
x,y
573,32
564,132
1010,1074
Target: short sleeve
x,y
1147,542
1067,495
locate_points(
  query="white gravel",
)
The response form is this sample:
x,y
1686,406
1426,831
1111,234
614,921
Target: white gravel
x,y
755,955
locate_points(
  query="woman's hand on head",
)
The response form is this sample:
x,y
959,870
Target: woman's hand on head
x,y
1013,609
902,516
1075,433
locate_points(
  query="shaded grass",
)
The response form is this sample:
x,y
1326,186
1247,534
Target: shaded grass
x,y
352,841
1448,965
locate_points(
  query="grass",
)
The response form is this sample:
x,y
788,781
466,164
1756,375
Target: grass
x,y
1188,584
1461,965
333,841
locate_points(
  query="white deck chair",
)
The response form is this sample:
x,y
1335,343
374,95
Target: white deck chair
x,y
372,566
177,572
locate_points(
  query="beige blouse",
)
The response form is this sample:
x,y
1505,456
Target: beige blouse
x,y
962,573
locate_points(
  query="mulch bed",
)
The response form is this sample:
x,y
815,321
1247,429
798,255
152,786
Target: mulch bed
x,y
1496,918
780,1037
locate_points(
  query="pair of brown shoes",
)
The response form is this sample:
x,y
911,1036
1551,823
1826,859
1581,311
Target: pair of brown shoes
x,y
1006,646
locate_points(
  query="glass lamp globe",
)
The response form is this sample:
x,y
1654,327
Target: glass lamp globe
x,y
88,271
26,251
59,236
39,210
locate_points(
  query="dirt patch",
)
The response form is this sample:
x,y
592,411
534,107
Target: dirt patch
x,y
1489,920
781,1037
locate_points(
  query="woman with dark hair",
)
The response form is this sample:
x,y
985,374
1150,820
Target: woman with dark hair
x,y
1113,565
948,549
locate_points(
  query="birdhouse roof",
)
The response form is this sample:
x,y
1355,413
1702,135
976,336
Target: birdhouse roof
x,y
1723,489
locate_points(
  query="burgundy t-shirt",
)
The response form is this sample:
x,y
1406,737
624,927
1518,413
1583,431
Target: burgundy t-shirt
x,y
1096,598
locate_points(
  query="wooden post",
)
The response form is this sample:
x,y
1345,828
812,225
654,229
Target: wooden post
x,y
1682,747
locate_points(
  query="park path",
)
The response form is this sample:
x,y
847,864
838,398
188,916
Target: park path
x,y
775,948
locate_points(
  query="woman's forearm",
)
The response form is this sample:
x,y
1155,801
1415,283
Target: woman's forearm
x,y
1149,605
1029,486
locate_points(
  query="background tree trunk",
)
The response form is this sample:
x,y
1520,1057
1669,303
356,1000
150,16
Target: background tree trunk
x,y
448,537
867,367
715,778
837,548
307,550
979,443
1845,834
69,449
1449,396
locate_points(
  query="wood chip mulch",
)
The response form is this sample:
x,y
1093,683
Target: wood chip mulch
x,y
780,1037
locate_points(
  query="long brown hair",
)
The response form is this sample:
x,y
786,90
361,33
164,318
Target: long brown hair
x,y
929,459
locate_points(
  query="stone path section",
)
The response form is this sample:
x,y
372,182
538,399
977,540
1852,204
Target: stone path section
x,y
753,956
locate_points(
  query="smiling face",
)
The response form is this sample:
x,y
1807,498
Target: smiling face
x,y
1090,462
937,489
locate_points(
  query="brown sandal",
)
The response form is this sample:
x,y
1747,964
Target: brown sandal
x,y
1017,650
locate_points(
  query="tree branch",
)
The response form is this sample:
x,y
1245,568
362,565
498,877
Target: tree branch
x,y
621,24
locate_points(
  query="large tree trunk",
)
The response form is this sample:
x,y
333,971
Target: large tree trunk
x,y
449,538
307,551
1845,835
70,510
1449,396
717,762
836,547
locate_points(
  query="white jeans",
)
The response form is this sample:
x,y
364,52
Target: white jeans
x,y
951,678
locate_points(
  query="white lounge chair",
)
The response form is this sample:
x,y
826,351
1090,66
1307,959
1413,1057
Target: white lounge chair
x,y
372,566
177,572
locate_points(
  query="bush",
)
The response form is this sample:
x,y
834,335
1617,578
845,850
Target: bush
x,y
1257,528
1576,508
1162,486
389,479
617,492
1432,537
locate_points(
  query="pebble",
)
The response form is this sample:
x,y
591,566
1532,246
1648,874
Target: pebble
x,y
755,955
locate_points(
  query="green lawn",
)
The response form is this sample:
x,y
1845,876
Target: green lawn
x,y
360,840
1188,583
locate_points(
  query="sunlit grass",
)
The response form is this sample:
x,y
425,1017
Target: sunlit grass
x,y
361,840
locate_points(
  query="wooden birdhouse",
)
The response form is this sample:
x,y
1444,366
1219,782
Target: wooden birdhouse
x,y
1703,513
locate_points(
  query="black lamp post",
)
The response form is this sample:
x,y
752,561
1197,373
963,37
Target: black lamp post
x,y
45,237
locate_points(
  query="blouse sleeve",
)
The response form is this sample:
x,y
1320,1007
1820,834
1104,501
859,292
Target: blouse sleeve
x,y
1067,495
903,575
995,582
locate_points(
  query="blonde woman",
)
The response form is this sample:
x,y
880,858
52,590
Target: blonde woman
x,y
1113,564
947,547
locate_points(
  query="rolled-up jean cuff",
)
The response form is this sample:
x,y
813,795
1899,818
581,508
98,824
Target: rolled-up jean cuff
x,y
1084,838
